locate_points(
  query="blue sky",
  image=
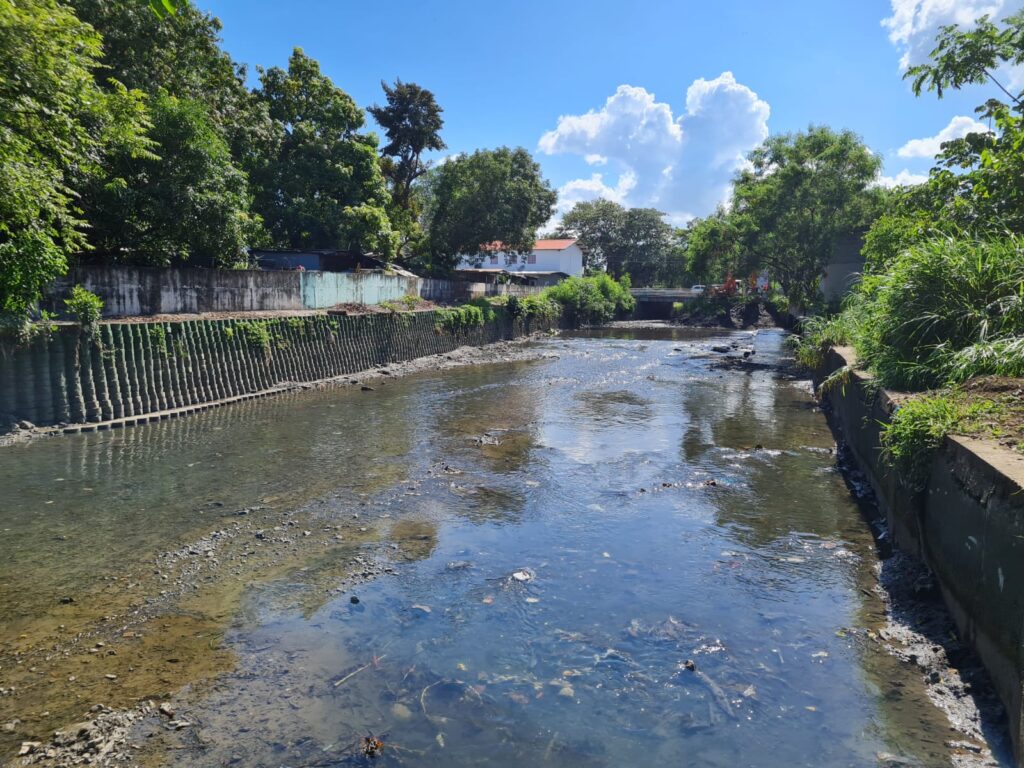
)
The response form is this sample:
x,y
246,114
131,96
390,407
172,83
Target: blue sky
x,y
506,72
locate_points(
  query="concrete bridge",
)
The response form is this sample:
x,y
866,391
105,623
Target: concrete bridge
x,y
656,303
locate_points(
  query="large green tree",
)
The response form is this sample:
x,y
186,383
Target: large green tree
x,y
483,197
187,202
801,193
412,124
317,182
634,241
56,129
597,224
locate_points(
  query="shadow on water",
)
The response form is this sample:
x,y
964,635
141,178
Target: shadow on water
x,y
622,556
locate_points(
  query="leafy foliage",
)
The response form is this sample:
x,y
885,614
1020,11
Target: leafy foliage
x,y
801,194
189,201
56,126
318,184
918,427
487,196
634,241
85,306
592,300
412,123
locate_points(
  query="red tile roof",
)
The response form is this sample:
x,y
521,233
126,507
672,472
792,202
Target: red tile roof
x,y
553,245
540,245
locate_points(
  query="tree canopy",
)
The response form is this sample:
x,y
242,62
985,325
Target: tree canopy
x,y
476,199
634,241
317,182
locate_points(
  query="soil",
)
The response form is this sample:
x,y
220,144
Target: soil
x,y
1005,424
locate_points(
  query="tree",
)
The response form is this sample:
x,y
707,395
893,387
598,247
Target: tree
x,y
490,195
412,123
634,241
597,224
56,126
714,247
186,202
801,193
978,182
645,242
318,183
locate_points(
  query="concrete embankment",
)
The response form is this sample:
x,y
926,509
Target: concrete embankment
x,y
124,373
966,524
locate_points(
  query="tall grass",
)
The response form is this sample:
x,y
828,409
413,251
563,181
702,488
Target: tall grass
x,y
944,310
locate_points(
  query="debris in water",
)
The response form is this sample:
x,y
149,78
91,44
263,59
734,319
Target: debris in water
x,y
372,746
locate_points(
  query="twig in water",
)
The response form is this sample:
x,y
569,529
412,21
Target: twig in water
x,y
374,662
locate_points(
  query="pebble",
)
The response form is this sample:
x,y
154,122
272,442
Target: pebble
x,y
400,711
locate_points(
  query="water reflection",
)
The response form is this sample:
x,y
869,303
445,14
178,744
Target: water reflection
x,y
652,562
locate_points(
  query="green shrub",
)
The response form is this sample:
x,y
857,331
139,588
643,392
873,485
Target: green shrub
x,y
592,300
944,309
255,332
918,427
85,306
460,318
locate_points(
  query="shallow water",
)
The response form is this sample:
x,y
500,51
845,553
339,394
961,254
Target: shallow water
x,y
622,556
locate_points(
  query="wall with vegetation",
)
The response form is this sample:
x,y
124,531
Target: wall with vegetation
x,y
966,522
145,291
122,371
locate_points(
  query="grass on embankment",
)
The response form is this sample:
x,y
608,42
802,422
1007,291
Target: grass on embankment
x,y
944,318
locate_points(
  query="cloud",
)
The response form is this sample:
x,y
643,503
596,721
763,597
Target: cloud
x,y
596,159
682,165
929,147
914,23
902,179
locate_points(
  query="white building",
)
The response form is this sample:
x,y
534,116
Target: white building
x,y
547,256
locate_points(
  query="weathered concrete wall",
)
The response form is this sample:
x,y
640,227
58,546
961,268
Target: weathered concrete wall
x,y
137,291
327,289
145,291
131,370
451,291
967,525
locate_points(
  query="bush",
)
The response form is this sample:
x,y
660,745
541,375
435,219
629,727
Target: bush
x,y
592,300
943,310
85,306
919,426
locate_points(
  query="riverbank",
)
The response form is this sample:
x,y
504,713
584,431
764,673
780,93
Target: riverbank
x,y
71,380
961,522
660,512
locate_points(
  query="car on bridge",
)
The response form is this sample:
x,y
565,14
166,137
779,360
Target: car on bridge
x,y
698,288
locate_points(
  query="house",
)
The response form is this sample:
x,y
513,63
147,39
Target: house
x,y
844,268
548,256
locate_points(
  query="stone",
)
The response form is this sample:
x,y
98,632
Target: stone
x,y
401,711
25,424
28,747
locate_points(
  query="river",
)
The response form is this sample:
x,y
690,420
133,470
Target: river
x,y
619,554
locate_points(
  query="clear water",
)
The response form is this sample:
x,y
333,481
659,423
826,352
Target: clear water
x,y
566,536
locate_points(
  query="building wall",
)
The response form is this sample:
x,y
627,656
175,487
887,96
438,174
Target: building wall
x,y
844,269
568,260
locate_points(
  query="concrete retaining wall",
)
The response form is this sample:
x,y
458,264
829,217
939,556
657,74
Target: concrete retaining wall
x,y
146,291
967,525
131,370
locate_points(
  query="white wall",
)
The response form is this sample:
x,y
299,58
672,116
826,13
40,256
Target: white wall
x,y
568,260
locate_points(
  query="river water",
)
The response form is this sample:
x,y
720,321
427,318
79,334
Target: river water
x,y
620,555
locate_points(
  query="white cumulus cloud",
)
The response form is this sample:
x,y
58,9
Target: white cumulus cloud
x,y
929,147
902,179
914,23
681,165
